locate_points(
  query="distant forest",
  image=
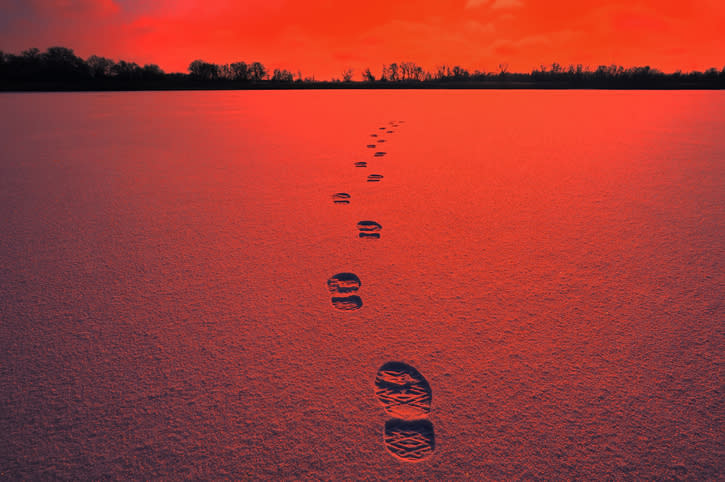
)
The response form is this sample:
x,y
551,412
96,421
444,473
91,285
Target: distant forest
x,y
58,68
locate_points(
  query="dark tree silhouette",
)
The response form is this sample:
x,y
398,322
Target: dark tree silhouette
x,y
393,72
99,67
152,71
204,70
61,62
282,75
257,72
368,76
240,71
58,68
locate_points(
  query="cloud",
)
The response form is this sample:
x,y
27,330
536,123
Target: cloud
x,y
479,28
75,7
498,4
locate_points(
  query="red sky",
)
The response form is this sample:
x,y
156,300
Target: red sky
x,y
323,37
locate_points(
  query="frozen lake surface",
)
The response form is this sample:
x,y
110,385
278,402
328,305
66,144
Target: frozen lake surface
x,y
543,269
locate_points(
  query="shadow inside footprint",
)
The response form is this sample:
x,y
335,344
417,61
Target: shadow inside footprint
x,y
361,164
343,283
380,154
373,135
341,198
347,303
371,146
403,392
410,441
369,229
375,177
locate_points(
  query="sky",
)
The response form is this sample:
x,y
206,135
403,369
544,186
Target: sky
x,y
322,38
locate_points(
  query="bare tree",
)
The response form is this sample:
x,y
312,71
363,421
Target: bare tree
x,y
204,70
239,71
282,75
393,71
257,72
368,76
384,75
99,66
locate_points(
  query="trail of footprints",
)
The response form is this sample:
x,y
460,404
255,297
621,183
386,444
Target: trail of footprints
x,y
402,391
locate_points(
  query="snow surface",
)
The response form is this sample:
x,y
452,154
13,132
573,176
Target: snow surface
x,y
550,262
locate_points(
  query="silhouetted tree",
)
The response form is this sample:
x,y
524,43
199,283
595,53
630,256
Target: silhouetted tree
x,y
459,73
31,54
418,73
410,71
99,67
281,75
204,70
62,63
384,73
257,72
347,75
240,71
127,70
152,71
368,76
393,72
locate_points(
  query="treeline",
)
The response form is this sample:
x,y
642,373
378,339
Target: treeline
x,y
61,64
58,68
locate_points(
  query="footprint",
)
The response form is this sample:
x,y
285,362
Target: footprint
x,y
381,140
369,229
409,441
373,135
375,177
341,198
403,391
380,154
361,164
406,396
390,132
382,128
371,146
344,284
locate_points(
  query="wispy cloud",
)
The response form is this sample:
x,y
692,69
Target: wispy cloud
x,y
74,7
498,4
476,3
